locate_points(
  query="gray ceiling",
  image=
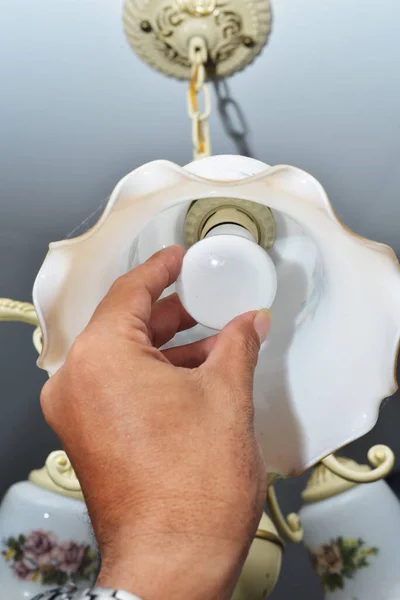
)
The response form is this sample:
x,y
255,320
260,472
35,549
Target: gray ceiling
x,y
78,109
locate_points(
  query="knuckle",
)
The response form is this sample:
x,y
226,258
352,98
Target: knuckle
x,y
47,404
118,284
44,397
78,351
83,354
112,295
247,345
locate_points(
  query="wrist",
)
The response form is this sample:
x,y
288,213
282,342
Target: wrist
x,y
176,566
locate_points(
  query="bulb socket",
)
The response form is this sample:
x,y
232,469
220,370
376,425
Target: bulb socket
x,y
208,213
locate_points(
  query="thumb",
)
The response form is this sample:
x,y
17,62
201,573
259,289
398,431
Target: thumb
x,y
234,354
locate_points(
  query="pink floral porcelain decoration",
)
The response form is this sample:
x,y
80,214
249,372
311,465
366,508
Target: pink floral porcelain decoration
x,y
41,558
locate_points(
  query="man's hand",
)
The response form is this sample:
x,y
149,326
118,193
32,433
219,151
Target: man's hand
x,y
162,441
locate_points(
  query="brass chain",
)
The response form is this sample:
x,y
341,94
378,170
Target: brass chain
x,y
200,128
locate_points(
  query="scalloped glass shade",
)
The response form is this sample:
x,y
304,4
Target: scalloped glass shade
x,y
329,360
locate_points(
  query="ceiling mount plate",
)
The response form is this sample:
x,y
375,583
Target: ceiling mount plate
x,y
159,32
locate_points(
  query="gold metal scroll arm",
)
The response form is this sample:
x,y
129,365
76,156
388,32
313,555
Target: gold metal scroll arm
x,y
60,470
289,528
24,312
13,310
381,457
58,466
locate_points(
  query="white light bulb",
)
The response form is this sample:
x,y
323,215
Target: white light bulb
x,y
225,275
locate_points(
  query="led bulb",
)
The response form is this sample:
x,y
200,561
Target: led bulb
x,y
225,275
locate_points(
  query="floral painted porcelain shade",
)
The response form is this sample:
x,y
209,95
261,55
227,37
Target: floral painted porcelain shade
x,y
330,357
46,540
352,535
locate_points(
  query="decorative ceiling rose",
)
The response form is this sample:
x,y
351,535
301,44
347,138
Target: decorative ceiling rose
x,y
159,32
330,356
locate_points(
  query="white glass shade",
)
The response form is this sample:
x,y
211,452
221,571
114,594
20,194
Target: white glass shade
x,y
353,539
330,356
45,538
